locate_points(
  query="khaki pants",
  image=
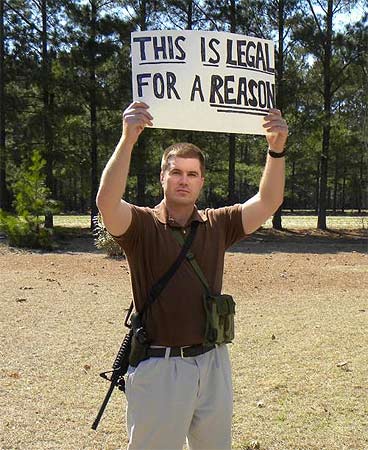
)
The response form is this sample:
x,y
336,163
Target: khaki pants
x,y
170,399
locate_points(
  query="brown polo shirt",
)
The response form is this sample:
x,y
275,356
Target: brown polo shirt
x,y
177,317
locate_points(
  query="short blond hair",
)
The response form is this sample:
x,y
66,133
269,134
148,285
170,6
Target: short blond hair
x,y
183,150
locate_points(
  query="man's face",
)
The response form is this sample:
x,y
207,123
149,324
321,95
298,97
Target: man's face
x,y
182,181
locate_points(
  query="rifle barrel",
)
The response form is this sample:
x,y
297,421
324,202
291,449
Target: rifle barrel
x,y
103,406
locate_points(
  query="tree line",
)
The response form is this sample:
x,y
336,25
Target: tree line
x,y
65,77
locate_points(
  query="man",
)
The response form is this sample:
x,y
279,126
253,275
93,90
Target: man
x,y
171,398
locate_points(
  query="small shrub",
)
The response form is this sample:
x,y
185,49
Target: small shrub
x,y
25,232
103,239
25,229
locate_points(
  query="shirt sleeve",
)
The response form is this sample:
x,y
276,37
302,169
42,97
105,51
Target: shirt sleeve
x,y
130,238
229,218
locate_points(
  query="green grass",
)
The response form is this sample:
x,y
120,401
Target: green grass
x,y
288,222
333,222
72,221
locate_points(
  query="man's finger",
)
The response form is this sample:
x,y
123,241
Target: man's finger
x,y
273,118
140,104
136,106
274,111
137,112
277,129
138,119
275,123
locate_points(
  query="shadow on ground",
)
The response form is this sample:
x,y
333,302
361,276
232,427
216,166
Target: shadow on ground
x,y
263,241
304,241
80,240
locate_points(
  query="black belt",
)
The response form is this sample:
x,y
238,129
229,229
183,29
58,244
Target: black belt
x,y
184,352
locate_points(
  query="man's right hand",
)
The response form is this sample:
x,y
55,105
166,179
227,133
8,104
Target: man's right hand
x,y
135,118
116,213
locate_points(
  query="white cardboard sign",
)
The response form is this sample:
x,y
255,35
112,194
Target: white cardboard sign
x,y
204,80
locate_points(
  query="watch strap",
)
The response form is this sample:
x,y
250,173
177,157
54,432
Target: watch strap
x,y
276,154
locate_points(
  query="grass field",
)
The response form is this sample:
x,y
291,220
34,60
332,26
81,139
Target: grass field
x,y
289,222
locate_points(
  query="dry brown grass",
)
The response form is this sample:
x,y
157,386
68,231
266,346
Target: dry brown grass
x,y
308,315
299,314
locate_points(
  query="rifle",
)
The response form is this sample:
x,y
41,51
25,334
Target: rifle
x,y
121,363
119,369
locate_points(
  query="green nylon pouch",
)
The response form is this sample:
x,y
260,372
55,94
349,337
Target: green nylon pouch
x,y
220,312
220,309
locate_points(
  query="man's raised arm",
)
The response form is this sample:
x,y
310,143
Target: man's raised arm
x,y
271,189
116,213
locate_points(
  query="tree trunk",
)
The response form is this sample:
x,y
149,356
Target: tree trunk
x,y
292,186
4,195
336,183
93,110
361,183
327,94
81,197
277,218
317,189
47,121
141,150
190,15
322,192
231,177
232,142
141,158
343,188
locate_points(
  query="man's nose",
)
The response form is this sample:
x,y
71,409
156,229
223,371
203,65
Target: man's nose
x,y
184,179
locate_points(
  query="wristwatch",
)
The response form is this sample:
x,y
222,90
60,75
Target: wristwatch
x,y
276,154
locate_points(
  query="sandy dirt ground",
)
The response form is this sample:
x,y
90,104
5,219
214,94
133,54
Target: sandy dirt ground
x,y
299,360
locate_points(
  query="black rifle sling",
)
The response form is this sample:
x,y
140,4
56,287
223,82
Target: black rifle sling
x,y
193,263
162,282
158,287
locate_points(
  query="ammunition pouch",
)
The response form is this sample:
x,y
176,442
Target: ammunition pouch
x,y
220,312
138,352
220,309
140,342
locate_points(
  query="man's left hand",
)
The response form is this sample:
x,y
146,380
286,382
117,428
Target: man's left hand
x,y
277,130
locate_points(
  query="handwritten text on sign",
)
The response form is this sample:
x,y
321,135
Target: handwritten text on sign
x,y
203,80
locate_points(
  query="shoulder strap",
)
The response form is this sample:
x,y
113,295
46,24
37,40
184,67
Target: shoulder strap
x,y
190,257
158,287
162,282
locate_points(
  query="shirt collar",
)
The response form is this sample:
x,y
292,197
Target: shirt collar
x,y
162,215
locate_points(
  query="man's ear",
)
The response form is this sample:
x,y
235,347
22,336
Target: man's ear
x,y
161,177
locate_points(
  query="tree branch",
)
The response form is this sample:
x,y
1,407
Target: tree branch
x,y
314,15
287,31
205,14
172,21
103,4
338,85
32,25
127,10
39,6
321,6
337,7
